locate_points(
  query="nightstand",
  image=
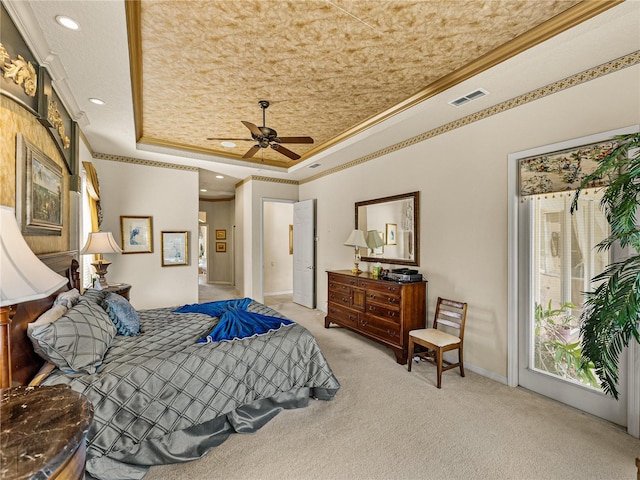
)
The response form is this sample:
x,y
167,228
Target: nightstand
x,y
43,432
119,288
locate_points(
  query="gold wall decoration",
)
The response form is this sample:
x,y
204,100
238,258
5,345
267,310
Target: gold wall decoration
x,y
21,71
55,118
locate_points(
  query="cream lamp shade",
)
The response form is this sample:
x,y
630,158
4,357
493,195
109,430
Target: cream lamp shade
x,y
374,240
97,244
23,277
356,240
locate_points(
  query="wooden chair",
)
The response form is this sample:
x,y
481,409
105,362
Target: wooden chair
x,y
452,314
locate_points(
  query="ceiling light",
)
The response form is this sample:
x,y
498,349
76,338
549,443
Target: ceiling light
x,y
97,101
219,176
203,189
228,144
67,22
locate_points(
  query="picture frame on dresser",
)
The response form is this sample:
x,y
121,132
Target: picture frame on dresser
x,y
136,234
39,190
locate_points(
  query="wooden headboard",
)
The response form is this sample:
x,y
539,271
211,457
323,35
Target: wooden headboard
x,y
25,363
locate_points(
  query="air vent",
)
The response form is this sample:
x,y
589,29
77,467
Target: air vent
x,y
469,97
315,165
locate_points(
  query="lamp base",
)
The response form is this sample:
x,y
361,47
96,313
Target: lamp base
x,y
101,270
356,270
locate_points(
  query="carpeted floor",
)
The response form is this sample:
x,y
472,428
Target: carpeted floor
x,y
386,423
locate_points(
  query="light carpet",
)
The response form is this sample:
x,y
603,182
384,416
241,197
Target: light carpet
x,y
387,423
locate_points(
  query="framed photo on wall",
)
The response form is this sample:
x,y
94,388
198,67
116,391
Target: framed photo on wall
x,y
221,234
392,232
137,234
175,248
221,247
40,193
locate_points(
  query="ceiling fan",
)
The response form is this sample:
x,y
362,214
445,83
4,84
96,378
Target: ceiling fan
x,y
267,137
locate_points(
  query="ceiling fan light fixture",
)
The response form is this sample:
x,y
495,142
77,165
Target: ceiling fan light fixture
x,y
227,144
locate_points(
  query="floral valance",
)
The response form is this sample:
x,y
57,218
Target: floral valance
x,y
562,170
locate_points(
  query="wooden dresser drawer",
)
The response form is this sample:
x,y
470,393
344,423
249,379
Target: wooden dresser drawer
x,y
389,314
343,315
387,299
381,328
382,286
341,298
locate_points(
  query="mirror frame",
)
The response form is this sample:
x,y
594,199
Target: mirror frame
x,y
416,228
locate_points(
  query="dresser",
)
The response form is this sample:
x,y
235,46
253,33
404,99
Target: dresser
x,y
381,310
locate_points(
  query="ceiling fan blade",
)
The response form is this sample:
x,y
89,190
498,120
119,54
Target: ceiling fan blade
x,y
254,129
285,151
234,139
252,151
295,139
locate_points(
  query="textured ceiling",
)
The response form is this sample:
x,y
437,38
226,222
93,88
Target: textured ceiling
x,y
329,68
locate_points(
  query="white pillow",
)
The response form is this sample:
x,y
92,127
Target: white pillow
x,y
69,298
50,316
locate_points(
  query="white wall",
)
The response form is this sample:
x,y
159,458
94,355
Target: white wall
x,y
278,262
168,195
220,216
462,179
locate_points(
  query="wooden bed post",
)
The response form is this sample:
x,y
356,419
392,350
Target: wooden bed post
x,y
5,347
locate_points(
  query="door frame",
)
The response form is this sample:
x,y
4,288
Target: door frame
x,y
268,200
631,356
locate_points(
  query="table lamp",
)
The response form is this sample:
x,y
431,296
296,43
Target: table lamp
x,y
374,240
99,243
23,277
356,240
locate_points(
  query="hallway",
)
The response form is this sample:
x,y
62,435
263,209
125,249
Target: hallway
x,y
208,292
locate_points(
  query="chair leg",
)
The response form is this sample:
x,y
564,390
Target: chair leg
x,y
410,354
460,362
439,363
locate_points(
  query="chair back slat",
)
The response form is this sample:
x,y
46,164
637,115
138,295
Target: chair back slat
x,y
452,314
444,321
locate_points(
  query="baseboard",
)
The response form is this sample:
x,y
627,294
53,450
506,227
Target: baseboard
x,y
284,292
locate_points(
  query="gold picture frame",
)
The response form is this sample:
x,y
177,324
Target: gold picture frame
x,y
221,247
290,239
175,248
391,234
221,234
137,234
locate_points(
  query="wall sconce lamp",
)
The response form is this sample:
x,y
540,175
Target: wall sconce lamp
x,y
23,277
99,243
356,240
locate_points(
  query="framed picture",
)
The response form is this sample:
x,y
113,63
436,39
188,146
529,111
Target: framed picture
x,y
392,232
221,246
40,192
221,234
137,234
175,248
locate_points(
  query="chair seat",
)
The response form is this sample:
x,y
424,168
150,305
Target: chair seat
x,y
435,337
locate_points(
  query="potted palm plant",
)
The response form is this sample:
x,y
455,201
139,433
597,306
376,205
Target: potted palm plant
x,y
611,314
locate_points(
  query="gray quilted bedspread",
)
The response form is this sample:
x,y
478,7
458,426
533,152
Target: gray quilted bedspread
x,y
161,381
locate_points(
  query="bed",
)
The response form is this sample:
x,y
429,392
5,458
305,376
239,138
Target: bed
x,y
159,397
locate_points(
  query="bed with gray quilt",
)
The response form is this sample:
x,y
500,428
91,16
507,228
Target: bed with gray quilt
x,y
159,397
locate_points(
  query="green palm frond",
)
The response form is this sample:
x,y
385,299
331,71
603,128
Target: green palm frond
x,y
610,319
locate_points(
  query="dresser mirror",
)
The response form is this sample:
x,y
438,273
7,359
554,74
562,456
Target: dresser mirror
x,y
391,226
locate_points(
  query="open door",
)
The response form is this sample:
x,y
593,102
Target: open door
x,y
304,253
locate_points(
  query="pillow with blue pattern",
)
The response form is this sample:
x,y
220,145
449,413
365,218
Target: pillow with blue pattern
x,y
122,314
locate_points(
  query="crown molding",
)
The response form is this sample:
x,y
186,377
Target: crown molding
x,y
138,161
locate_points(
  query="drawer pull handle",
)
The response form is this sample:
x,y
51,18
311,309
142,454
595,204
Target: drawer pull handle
x,y
392,314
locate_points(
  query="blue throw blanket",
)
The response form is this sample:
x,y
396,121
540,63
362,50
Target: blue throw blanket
x,y
235,321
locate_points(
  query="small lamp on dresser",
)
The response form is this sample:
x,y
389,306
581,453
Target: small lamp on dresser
x,y
23,277
99,243
356,240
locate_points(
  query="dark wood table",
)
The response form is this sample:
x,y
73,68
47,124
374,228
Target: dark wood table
x,y
43,432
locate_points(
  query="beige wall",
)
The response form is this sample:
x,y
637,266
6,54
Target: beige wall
x,y
278,262
168,195
220,216
462,179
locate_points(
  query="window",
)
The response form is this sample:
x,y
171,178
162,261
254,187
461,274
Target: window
x,y
86,270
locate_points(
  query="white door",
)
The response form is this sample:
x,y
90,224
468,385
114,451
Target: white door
x,y
557,259
304,253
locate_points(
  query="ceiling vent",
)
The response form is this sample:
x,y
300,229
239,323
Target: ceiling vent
x,y
469,97
315,165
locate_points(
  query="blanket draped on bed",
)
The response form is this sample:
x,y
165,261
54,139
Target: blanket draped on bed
x,y
160,397
235,321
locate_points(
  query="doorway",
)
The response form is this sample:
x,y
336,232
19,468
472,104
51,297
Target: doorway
x,y
277,250
203,253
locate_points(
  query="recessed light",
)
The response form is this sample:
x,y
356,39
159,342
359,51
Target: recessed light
x,y
97,101
67,22
228,144
219,176
203,189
